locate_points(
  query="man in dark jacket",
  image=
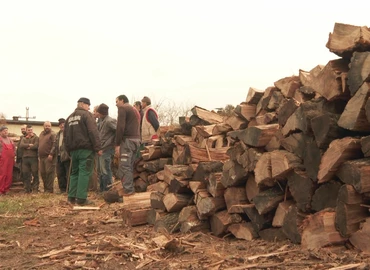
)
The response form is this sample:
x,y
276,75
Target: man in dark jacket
x,y
82,140
127,142
107,129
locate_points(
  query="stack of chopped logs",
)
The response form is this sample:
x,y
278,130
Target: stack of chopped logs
x,y
290,163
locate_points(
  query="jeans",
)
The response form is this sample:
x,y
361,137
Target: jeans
x,y
105,169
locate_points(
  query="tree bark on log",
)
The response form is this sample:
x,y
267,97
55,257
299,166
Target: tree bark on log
x,y
355,116
190,222
281,212
258,136
167,223
268,200
302,189
359,71
292,224
356,173
175,202
325,196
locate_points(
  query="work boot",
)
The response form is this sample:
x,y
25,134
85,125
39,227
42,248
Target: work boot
x,y
71,200
83,202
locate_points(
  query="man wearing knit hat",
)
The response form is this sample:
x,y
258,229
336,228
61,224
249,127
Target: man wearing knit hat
x,y
149,122
81,138
107,130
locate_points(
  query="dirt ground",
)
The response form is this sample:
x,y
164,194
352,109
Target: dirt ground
x,y
41,231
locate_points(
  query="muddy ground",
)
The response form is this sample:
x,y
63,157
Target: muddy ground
x,y
41,231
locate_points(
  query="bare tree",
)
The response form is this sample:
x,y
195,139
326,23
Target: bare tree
x,y
227,111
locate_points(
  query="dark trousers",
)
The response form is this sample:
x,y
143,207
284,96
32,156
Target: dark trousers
x,y
30,168
63,173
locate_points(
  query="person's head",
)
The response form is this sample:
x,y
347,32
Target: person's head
x,y
4,131
61,122
120,100
29,130
95,112
137,105
103,110
47,126
84,103
24,130
145,102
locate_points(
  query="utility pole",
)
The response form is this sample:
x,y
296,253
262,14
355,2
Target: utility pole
x,y
27,114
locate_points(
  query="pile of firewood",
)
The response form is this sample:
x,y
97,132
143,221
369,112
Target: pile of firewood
x,y
290,163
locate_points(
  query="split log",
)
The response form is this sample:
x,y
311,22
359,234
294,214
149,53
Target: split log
x,y
355,116
252,188
206,115
282,162
167,223
319,231
235,196
160,186
220,221
233,175
239,208
243,230
196,186
268,200
286,109
175,202
361,238
349,212
267,118
135,217
288,85
359,71
292,224
265,99
356,173
215,186
172,171
156,200
154,215
190,222
328,82
339,150
312,158
295,143
258,136
139,200
197,121
246,111
346,39
179,186
236,122
325,129
263,171
259,221
197,154
254,95
307,77
302,189
365,146
325,196
157,164
205,168
281,212
208,206
151,152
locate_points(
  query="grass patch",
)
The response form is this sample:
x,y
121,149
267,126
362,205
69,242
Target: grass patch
x,y
20,203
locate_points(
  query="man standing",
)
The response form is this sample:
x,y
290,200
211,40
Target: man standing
x,y
82,140
30,161
63,159
46,159
127,142
149,122
19,152
107,129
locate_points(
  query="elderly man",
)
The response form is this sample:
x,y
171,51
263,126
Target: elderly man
x,y
46,158
82,140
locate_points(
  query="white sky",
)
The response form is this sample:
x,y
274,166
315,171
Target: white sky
x,y
204,53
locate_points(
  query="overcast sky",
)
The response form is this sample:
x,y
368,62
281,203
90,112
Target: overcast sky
x,y
204,53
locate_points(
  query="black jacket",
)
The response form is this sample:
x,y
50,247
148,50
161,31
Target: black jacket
x,y
81,132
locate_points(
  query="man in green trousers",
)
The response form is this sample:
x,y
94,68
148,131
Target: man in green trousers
x,y
82,141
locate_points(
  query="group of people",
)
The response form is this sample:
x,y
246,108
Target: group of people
x,y
83,138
